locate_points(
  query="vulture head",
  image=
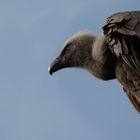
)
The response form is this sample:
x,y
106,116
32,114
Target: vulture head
x,y
84,50
77,52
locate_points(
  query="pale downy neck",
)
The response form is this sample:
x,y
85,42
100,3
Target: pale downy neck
x,y
98,63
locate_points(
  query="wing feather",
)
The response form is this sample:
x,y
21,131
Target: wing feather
x,y
122,32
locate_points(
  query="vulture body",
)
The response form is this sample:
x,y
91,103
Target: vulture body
x,y
113,55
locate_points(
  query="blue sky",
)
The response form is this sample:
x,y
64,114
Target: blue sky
x,y
71,104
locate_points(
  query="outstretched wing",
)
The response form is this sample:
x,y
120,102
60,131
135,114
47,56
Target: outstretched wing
x,y
122,32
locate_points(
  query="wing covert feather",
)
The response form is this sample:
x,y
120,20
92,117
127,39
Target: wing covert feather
x,y
122,32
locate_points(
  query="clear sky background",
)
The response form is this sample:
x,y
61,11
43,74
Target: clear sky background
x,y
71,104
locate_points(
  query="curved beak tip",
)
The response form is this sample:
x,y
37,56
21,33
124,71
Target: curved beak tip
x,y
55,66
49,70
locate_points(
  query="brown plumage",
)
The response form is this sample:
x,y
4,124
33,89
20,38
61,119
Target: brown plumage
x,y
114,55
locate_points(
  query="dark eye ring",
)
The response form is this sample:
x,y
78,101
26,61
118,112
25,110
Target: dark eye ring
x,y
65,49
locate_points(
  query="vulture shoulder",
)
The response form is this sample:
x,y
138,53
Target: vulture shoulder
x,y
122,33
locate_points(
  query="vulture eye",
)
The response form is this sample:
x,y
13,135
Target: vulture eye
x,y
67,49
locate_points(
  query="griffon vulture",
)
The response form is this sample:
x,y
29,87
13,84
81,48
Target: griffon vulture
x,y
113,55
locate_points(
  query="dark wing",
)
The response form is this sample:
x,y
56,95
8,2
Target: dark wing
x,y
122,32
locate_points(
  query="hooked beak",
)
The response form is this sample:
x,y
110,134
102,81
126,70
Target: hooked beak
x,y
55,66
